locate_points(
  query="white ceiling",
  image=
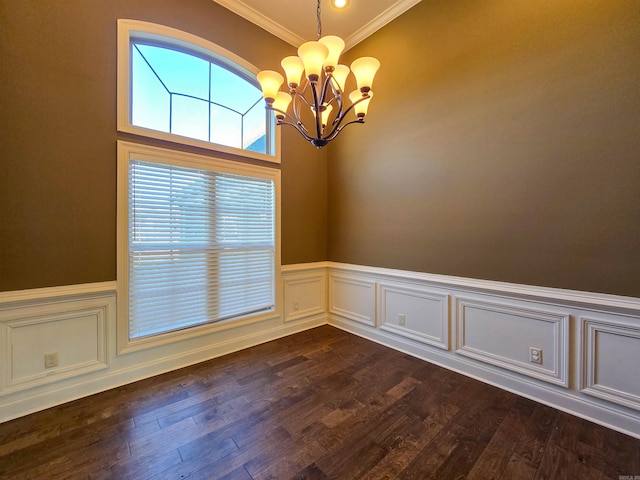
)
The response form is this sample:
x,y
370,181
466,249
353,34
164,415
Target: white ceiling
x,y
294,21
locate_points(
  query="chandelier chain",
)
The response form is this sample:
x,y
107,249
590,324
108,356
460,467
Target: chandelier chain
x,y
319,21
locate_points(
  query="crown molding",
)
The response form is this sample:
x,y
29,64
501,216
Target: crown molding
x,y
254,16
249,13
380,21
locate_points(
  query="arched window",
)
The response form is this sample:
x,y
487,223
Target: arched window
x,y
179,87
198,236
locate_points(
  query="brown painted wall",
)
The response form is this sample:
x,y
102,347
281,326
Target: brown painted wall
x,y
509,150
58,140
503,143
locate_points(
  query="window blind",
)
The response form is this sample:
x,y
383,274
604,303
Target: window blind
x,y
201,247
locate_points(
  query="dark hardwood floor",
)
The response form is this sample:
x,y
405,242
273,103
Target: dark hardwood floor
x,y
316,405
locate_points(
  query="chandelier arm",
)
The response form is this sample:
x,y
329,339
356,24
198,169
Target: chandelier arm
x,y
340,115
336,131
337,96
338,110
304,99
317,113
292,121
362,99
335,86
341,118
327,81
306,136
296,111
297,97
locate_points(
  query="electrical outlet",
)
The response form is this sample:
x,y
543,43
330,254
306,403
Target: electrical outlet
x,y
50,360
296,306
535,355
401,319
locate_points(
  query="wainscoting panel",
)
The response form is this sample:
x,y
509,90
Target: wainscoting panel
x,y
73,329
79,324
353,298
502,335
418,313
611,361
75,336
305,294
589,342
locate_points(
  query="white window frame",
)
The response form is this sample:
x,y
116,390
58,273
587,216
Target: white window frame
x,y
129,30
128,151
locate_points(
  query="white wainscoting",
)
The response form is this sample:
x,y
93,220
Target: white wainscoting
x,y
353,298
500,334
74,331
611,360
305,291
415,312
590,342
78,322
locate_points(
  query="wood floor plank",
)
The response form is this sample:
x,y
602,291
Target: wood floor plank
x,y
538,428
321,404
412,443
432,455
519,468
310,472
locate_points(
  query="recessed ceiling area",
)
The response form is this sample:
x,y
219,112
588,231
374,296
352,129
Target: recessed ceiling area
x,y
294,21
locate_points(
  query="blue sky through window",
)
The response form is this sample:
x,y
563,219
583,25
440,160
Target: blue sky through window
x,y
177,92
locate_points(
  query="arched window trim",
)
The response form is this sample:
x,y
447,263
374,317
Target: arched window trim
x,y
129,30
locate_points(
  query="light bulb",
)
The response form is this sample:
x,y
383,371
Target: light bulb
x,y
339,3
270,82
365,69
313,55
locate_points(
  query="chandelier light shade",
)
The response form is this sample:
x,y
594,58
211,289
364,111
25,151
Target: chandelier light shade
x,y
270,83
315,79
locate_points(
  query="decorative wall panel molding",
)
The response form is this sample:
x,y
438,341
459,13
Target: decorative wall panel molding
x,y
353,298
78,322
611,361
547,295
589,370
418,313
75,334
490,322
305,294
69,325
502,335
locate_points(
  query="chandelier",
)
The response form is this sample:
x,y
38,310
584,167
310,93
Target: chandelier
x,y
321,89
